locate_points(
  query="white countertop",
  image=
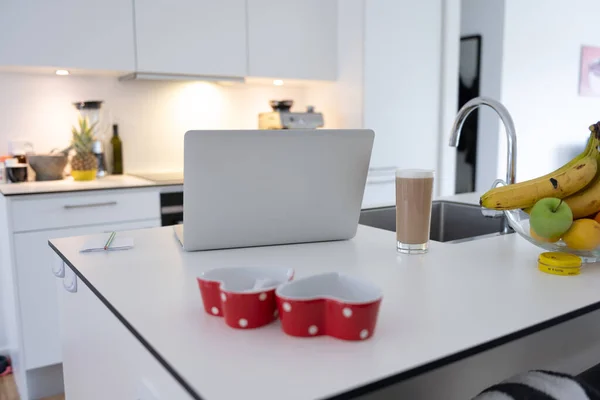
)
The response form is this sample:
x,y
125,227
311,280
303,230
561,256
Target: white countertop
x,y
441,304
69,185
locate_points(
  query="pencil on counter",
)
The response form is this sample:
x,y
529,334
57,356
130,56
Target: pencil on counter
x,y
110,240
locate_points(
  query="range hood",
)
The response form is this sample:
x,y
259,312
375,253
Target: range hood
x,y
151,76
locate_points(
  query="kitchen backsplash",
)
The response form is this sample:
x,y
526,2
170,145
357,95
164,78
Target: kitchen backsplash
x,y
152,116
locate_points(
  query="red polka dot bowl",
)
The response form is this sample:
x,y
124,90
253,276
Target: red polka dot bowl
x,y
331,304
244,296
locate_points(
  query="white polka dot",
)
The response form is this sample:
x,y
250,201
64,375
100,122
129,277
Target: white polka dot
x,y
262,296
364,333
243,322
287,307
276,313
223,297
215,310
312,330
347,312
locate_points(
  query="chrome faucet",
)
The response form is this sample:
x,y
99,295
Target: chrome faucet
x,y
511,136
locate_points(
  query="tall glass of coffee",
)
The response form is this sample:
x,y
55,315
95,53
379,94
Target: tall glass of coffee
x,y
414,190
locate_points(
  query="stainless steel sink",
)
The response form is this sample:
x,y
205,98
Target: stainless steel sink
x,y
450,222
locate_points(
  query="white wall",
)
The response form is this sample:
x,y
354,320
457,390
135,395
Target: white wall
x,y
410,90
486,18
344,99
542,48
402,81
397,76
380,72
445,174
152,116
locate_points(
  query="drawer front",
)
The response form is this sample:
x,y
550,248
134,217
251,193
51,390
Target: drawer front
x,y
79,209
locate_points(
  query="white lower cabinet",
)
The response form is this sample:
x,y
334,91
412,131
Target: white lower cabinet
x,y
102,359
28,295
37,289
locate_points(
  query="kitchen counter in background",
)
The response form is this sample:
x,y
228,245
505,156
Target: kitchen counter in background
x,y
169,179
69,185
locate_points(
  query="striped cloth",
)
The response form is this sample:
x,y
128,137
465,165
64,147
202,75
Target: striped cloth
x,y
541,385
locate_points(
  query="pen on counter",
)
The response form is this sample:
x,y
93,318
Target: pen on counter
x,y
110,239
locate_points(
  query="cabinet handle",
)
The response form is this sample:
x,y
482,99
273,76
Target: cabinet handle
x,y
106,203
58,268
70,281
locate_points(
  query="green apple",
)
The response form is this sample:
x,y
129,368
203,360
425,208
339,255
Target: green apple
x,y
550,217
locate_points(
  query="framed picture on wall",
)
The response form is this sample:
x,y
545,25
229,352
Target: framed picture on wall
x,y
589,71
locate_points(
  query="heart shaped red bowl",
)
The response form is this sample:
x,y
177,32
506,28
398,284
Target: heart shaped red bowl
x,y
331,304
244,296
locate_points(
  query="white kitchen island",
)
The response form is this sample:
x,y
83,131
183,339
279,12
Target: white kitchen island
x,y
452,322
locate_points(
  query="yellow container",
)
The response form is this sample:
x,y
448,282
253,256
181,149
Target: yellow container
x,y
559,263
88,175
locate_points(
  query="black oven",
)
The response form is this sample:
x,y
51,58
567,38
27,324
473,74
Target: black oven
x,y
171,208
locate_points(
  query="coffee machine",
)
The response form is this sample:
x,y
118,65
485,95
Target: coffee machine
x,y
282,118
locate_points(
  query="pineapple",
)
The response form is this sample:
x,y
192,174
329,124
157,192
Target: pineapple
x,y
84,159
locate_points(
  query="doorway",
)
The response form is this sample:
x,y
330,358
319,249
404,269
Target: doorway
x,y
468,88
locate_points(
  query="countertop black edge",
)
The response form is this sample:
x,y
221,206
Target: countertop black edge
x,y
130,328
442,362
370,387
153,185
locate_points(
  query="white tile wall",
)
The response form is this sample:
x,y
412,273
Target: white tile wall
x,y
152,116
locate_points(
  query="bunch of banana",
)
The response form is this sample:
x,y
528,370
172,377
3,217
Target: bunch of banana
x,y
586,202
577,182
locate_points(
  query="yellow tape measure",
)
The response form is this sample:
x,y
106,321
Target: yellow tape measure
x,y
557,263
558,270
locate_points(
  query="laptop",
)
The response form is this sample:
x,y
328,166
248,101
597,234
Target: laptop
x,y
246,188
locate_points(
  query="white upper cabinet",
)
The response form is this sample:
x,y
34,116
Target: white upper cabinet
x,y
292,39
198,37
232,38
95,35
